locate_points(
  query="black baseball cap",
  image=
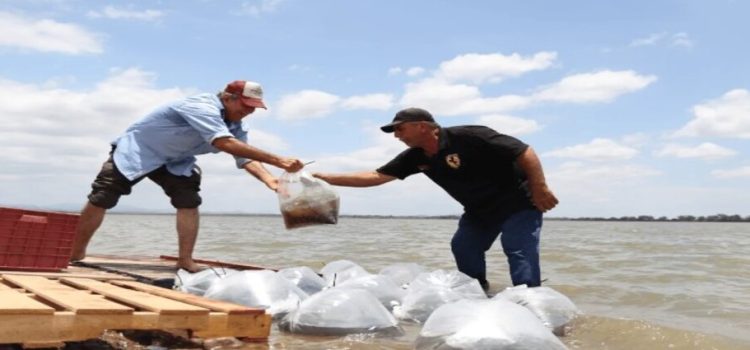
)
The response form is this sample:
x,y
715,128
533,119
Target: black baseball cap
x,y
408,115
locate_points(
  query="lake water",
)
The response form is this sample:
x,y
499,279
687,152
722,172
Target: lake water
x,y
640,285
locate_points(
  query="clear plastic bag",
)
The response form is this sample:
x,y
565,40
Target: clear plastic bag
x,y
305,200
340,312
553,308
402,273
198,283
485,324
304,278
260,289
430,290
381,287
336,272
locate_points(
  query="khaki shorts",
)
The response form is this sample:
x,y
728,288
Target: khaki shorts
x,y
110,184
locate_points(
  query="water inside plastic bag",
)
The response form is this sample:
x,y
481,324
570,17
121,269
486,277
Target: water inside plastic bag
x,y
305,200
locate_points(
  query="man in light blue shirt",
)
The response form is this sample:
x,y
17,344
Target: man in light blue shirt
x,y
162,146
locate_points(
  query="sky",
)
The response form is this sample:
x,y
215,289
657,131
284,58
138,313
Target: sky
x,y
634,107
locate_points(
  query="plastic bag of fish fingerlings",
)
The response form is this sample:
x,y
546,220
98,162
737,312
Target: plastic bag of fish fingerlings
x,y
306,201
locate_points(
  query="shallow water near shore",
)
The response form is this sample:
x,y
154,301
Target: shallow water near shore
x,y
640,285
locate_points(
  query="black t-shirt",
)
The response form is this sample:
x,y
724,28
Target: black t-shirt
x,y
475,165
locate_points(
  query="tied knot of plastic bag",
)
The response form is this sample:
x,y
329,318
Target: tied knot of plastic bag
x,y
306,201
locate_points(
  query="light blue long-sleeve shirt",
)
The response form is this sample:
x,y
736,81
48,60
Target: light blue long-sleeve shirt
x,y
173,135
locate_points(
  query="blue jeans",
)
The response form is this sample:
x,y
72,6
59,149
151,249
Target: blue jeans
x,y
520,240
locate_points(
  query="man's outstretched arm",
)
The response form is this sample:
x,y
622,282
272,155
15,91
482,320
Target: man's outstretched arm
x,y
238,148
261,173
360,179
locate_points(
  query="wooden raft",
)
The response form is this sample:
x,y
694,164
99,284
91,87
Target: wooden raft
x,y
42,309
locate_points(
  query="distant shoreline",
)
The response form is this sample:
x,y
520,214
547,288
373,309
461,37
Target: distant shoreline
x,y
640,218
643,218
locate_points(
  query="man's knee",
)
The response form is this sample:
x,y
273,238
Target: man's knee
x,y
109,185
104,199
182,190
467,242
459,245
186,200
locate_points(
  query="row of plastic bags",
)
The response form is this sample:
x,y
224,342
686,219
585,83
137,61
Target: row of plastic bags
x,y
347,299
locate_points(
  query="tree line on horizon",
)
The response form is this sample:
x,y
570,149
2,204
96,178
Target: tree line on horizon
x,y
685,218
680,218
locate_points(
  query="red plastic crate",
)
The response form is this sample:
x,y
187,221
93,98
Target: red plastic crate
x,y
36,240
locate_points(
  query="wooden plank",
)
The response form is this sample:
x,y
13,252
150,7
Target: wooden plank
x,y
213,305
257,327
91,306
61,326
68,326
145,261
222,263
4,286
138,269
151,320
78,301
43,345
16,302
104,276
139,299
22,328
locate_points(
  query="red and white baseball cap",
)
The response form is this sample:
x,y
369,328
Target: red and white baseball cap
x,y
250,92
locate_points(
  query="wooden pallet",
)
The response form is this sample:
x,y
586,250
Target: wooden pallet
x,y
41,309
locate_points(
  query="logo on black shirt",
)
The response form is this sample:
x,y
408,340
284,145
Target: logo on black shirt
x,y
453,160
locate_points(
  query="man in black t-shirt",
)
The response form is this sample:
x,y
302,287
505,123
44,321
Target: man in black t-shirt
x,y
497,178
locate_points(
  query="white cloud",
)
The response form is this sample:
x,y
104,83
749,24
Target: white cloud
x,y
442,95
650,40
310,104
443,98
125,95
112,12
705,150
394,71
264,140
602,86
586,174
509,125
480,68
299,68
384,148
682,40
599,189
256,8
636,140
25,152
47,35
732,173
306,104
77,125
599,149
414,71
726,116
371,101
